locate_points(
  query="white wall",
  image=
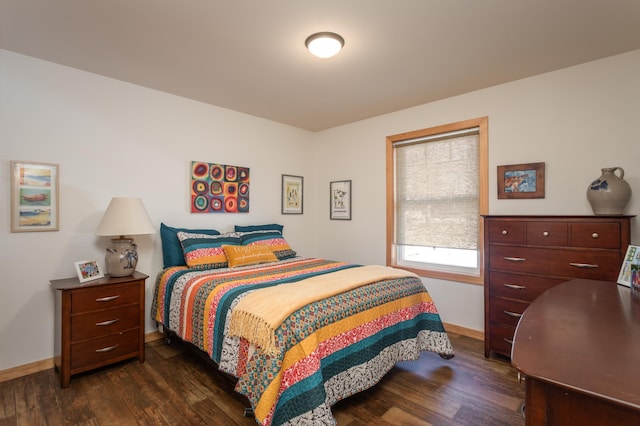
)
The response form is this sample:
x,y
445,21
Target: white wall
x,y
576,120
116,139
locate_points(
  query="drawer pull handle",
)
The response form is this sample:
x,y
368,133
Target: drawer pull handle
x,y
505,232
515,286
513,314
584,265
107,299
514,259
107,349
595,236
545,234
509,341
109,322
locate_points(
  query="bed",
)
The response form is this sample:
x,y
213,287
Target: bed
x,y
298,334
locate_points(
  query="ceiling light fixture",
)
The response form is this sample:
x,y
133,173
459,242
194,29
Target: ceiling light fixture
x,y
325,44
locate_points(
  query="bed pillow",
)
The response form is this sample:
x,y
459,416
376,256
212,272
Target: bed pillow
x,y
171,249
268,227
204,251
273,239
248,255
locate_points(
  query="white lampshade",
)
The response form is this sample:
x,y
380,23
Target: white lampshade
x,y
324,45
125,216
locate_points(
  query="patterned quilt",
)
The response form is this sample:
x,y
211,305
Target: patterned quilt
x,y
328,350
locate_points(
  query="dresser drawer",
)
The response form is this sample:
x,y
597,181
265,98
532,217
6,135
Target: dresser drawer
x,y
104,350
597,265
596,235
104,297
506,231
520,287
547,233
506,312
501,339
103,322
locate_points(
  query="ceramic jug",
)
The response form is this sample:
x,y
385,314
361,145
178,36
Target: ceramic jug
x,y
610,193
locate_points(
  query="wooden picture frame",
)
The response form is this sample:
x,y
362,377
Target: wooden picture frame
x,y
340,200
34,197
292,193
88,270
521,181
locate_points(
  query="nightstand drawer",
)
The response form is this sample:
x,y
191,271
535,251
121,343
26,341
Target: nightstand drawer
x,y
105,350
104,322
104,297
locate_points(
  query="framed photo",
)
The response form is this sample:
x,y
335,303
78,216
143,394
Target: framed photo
x,y
631,258
88,270
521,181
292,194
34,197
340,199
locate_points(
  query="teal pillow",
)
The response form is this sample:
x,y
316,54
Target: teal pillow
x,y
172,254
251,228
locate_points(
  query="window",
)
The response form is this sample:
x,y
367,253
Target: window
x,y
436,194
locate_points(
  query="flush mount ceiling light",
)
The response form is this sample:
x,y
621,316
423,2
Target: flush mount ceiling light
x,y
325,44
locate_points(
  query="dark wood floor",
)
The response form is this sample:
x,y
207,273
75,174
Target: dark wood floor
x,y
175,387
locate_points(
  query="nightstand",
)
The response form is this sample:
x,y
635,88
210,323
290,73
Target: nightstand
x,y
98,323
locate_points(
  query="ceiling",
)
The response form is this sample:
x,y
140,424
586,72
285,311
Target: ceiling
x,y
249,55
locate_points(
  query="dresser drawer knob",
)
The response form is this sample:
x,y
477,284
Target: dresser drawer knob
x,y
107,349
515,286
107,298
109,322
514,259
513,314
595,236
584,265
505,232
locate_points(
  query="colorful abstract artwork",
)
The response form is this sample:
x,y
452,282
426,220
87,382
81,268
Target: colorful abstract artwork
x,y
218,188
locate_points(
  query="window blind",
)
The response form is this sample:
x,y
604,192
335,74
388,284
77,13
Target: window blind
x,y
437,190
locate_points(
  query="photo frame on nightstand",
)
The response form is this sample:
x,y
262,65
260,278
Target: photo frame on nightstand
x,y
632,257
88,270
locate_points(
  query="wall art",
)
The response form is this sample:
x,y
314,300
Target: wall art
x,y
340,199
34,197
219,188
521,181
292,194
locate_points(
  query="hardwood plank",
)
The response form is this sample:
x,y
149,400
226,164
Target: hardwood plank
x,y
174,386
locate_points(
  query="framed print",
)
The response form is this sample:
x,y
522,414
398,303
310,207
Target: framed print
x,y
340,199
292,194
88,270
631,259
34,197
521,181
219,188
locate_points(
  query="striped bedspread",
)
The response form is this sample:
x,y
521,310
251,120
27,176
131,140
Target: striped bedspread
x,y
326,351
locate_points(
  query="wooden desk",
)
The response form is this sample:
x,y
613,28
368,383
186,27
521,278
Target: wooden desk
x,y
578,345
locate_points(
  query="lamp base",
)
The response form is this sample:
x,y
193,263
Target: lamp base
x,y
122,258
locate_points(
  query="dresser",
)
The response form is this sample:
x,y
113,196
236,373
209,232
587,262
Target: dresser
x,y
527,255
98,323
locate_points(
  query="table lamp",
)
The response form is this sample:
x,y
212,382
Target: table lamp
x,y
124,217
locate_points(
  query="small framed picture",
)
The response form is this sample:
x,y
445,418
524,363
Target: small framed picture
x,y
34,197
340,200
521,181
292,194
88,270
632,257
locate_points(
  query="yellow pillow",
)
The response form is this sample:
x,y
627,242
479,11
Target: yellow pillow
x,y
248,255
